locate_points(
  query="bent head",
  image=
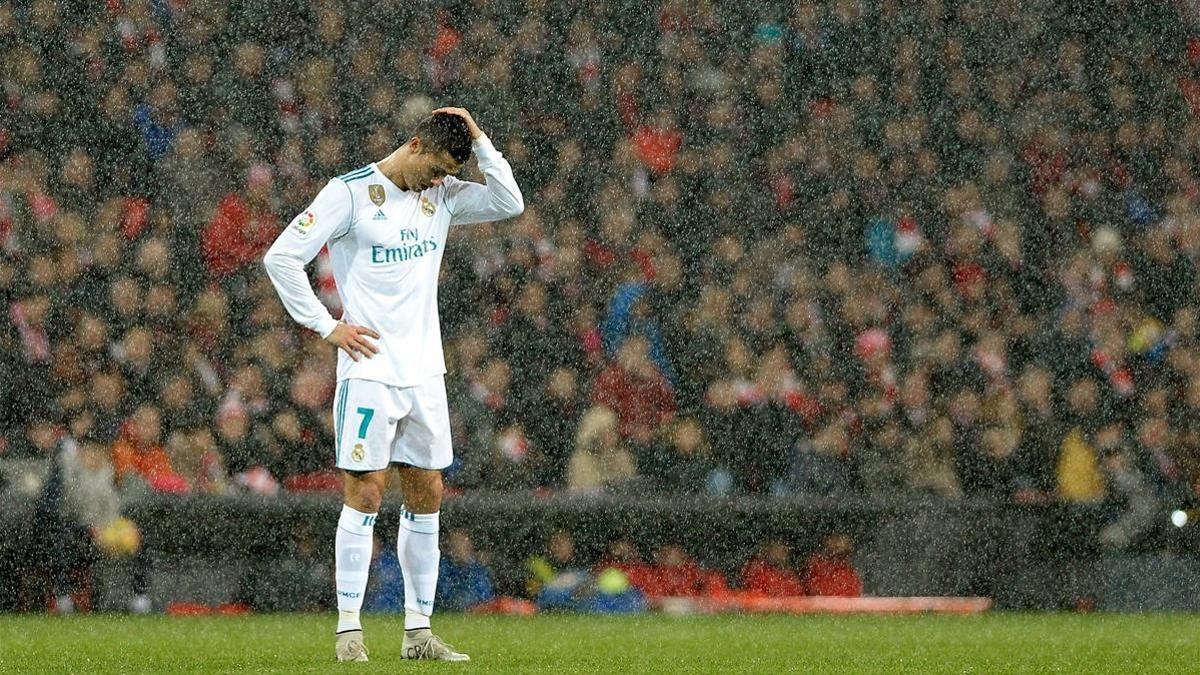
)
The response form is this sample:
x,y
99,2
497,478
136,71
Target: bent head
x,y
437,148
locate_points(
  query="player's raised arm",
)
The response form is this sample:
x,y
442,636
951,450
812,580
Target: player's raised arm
x,y
474,203
328,217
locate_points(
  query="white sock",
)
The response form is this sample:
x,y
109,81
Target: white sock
x,y
352,562
417,548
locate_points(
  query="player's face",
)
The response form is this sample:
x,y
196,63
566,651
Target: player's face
x,y
430,168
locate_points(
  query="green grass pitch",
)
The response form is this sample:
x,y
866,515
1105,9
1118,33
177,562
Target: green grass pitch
x,y
295,643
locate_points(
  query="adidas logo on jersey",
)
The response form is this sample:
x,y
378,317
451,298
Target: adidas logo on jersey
x,y
380,215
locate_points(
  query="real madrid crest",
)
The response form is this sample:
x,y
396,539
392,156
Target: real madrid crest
x,y
358,453
377,194
427,206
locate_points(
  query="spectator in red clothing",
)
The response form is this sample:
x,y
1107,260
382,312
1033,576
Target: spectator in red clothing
x,y
139,452
658,143
623,555
636,390
676,574
829,571
242,227
770,573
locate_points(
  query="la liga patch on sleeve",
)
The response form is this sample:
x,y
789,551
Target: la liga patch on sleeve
x,y
304,222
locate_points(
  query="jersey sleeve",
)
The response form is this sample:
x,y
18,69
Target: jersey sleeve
x,y
326,219
501,198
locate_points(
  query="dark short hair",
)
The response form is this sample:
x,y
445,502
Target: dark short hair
x,y
444,131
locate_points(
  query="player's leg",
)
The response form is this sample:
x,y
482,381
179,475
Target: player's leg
x,y
353,543
362,433
420,556
422,450
417,542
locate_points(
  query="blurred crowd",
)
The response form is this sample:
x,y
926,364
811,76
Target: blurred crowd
x,y
841,247
560,577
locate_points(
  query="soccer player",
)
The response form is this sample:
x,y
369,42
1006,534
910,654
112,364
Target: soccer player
x,y
386,225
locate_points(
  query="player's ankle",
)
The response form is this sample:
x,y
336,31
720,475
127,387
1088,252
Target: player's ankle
x,y
415,621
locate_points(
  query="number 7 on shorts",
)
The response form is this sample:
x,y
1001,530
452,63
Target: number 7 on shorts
x,y
367,414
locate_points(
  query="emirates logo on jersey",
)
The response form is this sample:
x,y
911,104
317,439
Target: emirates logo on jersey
x,y
427,206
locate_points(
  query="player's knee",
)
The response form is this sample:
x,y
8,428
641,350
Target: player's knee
x,y
367,501
433,492
423,492
364,495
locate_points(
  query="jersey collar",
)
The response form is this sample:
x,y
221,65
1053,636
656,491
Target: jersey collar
x,y
386,180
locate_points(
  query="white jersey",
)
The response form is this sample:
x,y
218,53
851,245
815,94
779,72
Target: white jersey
x,y
385,247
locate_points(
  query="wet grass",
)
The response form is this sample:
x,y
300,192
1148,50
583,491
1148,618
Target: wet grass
x,y
642,644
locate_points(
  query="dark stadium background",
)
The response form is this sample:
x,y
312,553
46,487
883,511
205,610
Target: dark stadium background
x,y
923,274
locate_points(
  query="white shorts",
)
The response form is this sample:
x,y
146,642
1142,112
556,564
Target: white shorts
x,y
376,425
